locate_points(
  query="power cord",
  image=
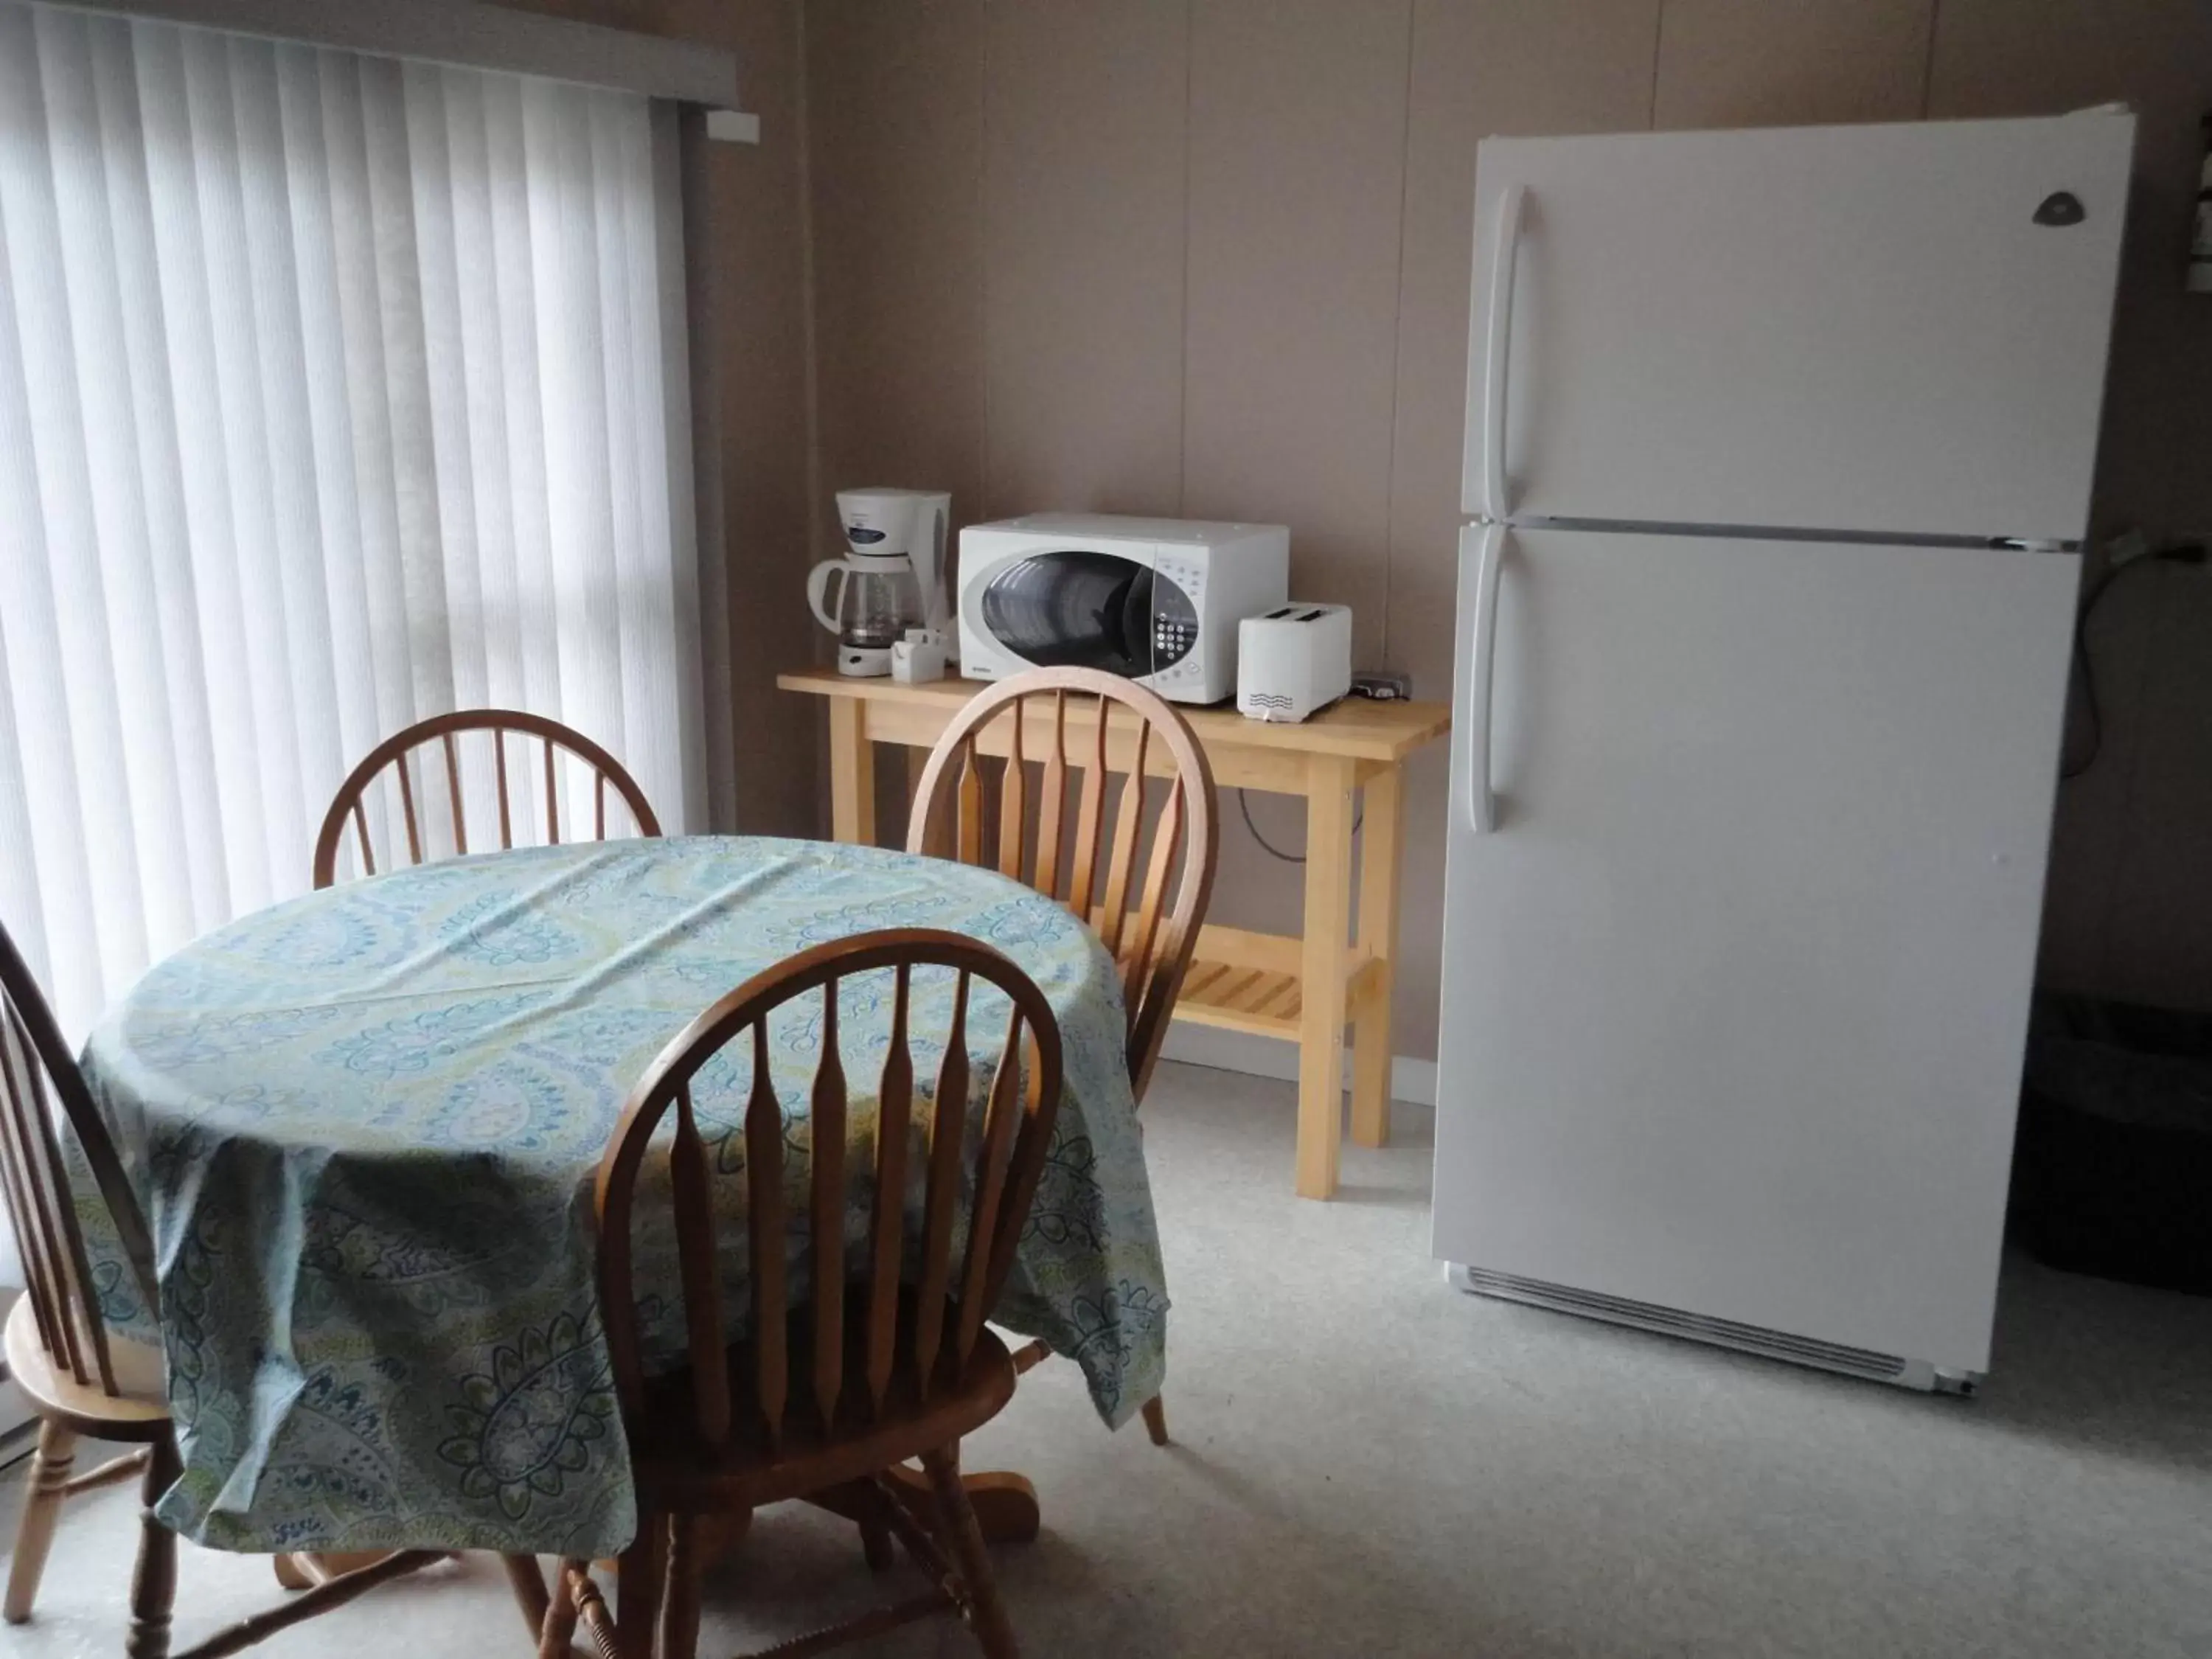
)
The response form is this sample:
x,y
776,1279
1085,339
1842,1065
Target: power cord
x,y
1269,847
2086,666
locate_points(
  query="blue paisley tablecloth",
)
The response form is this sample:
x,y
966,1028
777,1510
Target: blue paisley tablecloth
x,y
365,1125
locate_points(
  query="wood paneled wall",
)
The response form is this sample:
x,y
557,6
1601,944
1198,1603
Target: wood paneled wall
x,y
1211,257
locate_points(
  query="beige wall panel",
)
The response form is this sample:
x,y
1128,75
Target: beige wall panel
x,y
895,123
1083,270
1791,63
1298,130
895,134
1297,133
760,314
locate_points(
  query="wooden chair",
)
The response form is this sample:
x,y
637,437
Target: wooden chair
x,y
397,753
1150,935
820,1398
60,1353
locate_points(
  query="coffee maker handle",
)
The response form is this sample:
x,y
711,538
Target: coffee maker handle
x,y
817,588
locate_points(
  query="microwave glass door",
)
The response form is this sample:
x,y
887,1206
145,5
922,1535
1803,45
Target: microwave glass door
x,y
1079,608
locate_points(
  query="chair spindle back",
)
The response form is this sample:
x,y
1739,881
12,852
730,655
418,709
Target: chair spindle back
x,y
1148,901
41,1208
515,799
844,1350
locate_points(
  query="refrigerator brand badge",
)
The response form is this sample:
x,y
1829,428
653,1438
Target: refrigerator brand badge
x,y
2061,207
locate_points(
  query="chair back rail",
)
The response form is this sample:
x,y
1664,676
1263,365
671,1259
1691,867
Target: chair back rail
x,y
401,754
35,1180
1143,879
840,1354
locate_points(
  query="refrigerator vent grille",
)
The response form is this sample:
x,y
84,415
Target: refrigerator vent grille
x,y
1673,1322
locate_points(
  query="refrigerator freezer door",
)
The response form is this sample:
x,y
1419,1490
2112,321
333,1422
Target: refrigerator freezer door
x,y
1890,330
1735,987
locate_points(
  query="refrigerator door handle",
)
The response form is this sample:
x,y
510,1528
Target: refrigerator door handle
x,y
1504,246
1476,800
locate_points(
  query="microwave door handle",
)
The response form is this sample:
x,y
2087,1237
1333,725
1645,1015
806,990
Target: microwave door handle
x,y
1498,346
1134,615
1476,800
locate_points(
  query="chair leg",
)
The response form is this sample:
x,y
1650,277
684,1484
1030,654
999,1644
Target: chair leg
x,y
1156,1419
556,1630
34,1533
639,1575
679,1613
154,1582
526,1579
590,1612
876,1545
963,1541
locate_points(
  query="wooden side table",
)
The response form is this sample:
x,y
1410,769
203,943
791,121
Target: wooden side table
x,y
1303,988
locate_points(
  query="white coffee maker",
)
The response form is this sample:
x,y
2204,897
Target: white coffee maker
x,y
891,586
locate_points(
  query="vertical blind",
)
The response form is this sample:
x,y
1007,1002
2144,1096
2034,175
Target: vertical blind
x,y
334,391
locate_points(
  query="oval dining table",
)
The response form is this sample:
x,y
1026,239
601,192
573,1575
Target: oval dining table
x,y
365,1124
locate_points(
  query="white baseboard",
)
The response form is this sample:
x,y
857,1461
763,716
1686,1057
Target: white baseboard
x,y
1414,1081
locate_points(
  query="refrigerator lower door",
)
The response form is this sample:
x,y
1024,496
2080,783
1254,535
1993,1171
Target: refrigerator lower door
x,y
1735,982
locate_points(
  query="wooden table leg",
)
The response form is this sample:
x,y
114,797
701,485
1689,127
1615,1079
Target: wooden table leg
x,y
1321,972
852,773
1382,843
527,1580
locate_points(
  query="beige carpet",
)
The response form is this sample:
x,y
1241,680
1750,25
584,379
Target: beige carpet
x,y
1369,1463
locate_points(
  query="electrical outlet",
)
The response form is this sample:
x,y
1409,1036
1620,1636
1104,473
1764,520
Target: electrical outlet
x,y
1385,685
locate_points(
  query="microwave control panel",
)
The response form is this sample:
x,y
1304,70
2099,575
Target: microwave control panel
x,y
1174,612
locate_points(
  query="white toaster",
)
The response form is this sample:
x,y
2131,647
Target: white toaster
x,y
1293,661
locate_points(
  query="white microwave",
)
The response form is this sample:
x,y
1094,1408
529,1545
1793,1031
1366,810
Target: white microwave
x,y
1154,600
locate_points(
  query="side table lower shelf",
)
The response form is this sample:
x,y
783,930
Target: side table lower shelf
x,y
1241,981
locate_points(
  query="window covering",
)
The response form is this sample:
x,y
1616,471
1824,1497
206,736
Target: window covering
x,y
334,391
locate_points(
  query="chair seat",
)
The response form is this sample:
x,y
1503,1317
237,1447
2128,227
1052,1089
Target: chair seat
x,y
137,1412
677,1470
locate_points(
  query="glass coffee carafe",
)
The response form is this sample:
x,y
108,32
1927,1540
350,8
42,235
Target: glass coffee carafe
x,y
874,602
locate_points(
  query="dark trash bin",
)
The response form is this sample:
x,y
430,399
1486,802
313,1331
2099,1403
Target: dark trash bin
x,y
2113,1173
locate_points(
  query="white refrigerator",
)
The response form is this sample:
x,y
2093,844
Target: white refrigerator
x,y
1778,458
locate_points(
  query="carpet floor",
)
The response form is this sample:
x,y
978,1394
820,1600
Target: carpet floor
x,y
1369,1463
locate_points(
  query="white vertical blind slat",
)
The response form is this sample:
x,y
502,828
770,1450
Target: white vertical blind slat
x,y
361,378
573,405
445,379
181,731
640,601
354,724
464,101
250,577
58,653
300,614
111,611
515,261
180,274
396,262
334,393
